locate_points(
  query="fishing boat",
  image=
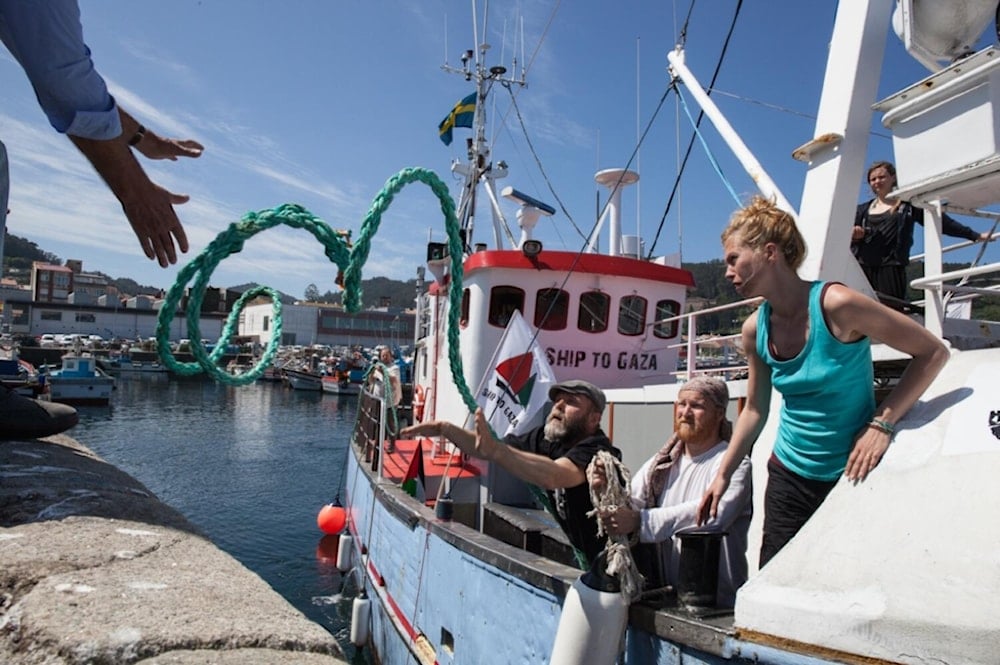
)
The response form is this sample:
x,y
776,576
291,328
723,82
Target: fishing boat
x,y
304,379
79,381
454,563
19,375
339,383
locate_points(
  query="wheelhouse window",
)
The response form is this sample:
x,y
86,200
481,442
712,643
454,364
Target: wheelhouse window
x,y
666,309
632,315
551,309
503,301
593,313
463,317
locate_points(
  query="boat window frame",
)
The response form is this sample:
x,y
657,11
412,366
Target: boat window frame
x,y
624,310
463,316
585,310
671,329
499,312
554,317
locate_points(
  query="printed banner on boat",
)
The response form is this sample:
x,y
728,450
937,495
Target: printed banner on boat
x,y
516,387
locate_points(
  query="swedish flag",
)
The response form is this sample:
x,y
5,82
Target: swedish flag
x,y
460,116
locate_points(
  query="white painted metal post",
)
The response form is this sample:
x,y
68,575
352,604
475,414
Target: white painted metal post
x,y
933,265
767,186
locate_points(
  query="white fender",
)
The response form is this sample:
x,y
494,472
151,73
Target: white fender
x,y
345,551
591,627
360,614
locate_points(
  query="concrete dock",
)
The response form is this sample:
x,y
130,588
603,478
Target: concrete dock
x,y
95,569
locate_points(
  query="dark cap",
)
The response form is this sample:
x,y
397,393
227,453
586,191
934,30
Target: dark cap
x,y
578,387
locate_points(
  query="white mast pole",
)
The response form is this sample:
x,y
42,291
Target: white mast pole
x,y
749,162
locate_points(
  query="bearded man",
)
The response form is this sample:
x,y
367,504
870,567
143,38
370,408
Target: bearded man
x,y
553,457
667,489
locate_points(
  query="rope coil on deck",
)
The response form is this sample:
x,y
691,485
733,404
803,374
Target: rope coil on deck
x,y
615,494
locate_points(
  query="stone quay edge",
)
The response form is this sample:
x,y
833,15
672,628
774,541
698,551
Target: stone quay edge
x,y
95,569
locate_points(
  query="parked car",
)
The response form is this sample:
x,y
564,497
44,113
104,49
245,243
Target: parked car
x,y
48,341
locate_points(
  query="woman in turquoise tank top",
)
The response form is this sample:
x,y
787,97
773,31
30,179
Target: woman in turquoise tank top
x,y
810,342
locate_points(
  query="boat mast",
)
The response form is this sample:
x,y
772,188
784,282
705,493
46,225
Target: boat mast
x,y
478,169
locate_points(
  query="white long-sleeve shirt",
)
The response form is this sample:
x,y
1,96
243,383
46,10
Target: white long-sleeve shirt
x,y
688,479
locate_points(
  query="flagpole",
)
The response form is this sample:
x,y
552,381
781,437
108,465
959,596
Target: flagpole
x,y
493,359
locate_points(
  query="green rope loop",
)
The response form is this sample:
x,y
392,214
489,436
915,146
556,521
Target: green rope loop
x,y
336,247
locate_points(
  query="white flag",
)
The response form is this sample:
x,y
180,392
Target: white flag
x,y
516,385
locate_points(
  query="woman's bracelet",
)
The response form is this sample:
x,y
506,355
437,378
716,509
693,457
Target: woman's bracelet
x,y
882,426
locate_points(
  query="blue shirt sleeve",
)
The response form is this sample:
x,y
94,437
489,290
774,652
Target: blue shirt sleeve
x,y
46,38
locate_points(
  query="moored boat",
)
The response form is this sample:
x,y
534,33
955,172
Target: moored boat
x,y
468,570
339,383
303,379
79,381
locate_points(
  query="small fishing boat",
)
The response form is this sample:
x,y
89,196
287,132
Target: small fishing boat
x,y
304,379
20,376
79,381
339,383
457,564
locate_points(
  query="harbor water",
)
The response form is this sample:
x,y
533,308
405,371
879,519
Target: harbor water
x,y
250,466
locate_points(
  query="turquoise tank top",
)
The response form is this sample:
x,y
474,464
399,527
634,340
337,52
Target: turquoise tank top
x,y
827,390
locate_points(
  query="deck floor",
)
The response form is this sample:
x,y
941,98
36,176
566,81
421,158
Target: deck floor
x,y
436,466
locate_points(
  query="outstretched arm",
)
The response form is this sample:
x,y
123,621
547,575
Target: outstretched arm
x,y
463,438
154,146
748,425
148,207
533,468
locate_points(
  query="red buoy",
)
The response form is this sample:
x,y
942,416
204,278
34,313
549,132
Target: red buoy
x,y
331,519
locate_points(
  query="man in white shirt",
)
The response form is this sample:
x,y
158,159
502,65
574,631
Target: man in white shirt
x,y
667,489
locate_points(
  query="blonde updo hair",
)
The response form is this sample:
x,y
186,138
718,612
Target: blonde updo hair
x,y
761,221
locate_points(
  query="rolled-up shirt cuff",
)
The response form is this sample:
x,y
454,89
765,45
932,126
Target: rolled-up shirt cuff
x,y
98,125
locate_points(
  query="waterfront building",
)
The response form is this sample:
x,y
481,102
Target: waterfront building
x,y
321,323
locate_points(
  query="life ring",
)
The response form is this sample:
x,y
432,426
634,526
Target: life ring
x,y
418,402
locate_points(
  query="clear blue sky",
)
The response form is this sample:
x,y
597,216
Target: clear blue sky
x,y
320,102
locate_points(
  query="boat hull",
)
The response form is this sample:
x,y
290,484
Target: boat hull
x,y
443,592
81,391
340,388
304,380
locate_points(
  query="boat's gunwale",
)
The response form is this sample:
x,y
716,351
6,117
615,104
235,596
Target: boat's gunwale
x,y
534,569
713,635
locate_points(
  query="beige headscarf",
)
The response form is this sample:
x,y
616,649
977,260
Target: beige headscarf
x,y
715,391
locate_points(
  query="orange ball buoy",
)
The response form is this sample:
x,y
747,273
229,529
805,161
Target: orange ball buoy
x,y
331,519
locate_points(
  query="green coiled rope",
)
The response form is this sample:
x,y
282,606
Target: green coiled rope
x,y
349,260
336,247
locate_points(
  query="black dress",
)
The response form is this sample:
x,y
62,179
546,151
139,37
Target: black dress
x,y
884,251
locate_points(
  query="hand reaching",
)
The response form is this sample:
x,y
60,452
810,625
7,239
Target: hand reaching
x,y
154,146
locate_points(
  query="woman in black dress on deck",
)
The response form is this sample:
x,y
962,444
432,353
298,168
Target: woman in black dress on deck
x,y
883,233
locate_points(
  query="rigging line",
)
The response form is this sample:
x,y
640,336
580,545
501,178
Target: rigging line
x,y
538,162
758,102
538,47
586,239
517,150
701,115
708,151
682,37
776,107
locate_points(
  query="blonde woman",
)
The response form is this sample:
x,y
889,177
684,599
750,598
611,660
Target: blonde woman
x,y
811,342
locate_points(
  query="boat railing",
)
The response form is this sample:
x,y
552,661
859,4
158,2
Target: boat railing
x,y
370,426
695,345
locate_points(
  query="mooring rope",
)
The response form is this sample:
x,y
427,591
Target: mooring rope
x,y
615,494
337,247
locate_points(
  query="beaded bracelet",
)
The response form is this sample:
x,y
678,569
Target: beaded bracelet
x,y
882,426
